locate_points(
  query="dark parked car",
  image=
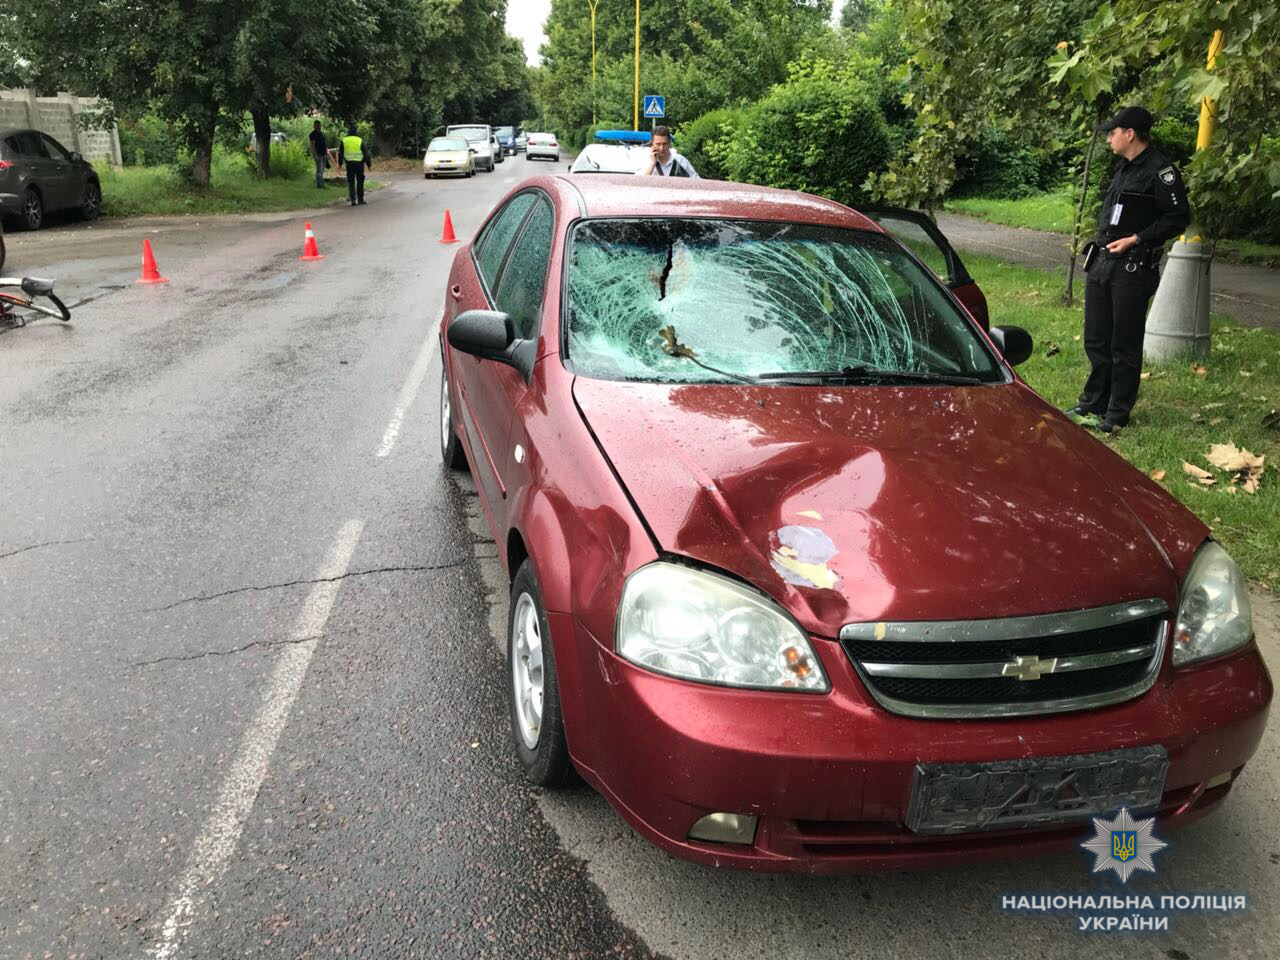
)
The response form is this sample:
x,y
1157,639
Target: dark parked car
x,y
38,175
803,576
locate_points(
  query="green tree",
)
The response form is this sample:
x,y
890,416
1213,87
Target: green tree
x,y
972,67
1165,44
701,54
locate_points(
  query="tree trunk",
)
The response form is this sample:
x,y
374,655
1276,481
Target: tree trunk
x,y
1068,295
202,154
262,134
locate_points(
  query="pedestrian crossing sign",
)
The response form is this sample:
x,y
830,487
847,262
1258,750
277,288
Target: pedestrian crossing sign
x,y
654,106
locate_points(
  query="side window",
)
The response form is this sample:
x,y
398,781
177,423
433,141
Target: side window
x,y
915,238
498,236
525,279
31,145
54,148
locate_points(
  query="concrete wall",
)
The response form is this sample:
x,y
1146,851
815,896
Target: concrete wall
x,y
56,117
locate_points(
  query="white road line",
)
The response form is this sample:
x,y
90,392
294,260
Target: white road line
x,y
217,841
407,393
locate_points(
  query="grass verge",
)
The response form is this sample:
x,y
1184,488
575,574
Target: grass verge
x,y
154,191
1180,411
1055,213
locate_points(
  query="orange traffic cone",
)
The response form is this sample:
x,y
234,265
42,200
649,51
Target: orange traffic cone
x,y
309,249
149,272
447,236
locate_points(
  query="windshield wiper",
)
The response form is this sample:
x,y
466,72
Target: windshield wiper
x,y
864,374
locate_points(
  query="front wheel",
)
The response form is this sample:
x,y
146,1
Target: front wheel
x,y
536,720
450,446
91,206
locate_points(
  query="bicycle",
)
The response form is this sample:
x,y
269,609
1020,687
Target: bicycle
x,y
13,306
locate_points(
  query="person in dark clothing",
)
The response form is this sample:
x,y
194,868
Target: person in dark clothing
x,y
353,153
1145,206
320,151
666,162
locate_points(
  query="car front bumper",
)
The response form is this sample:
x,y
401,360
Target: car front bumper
x,y
830,776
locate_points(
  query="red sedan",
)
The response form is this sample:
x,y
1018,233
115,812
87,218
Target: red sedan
x,y
803,576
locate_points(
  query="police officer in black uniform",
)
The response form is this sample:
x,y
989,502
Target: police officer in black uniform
x,y
1145,206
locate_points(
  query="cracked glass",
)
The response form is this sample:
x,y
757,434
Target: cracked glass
x,y
694,301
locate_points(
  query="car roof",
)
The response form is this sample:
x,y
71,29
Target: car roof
x,y
623,195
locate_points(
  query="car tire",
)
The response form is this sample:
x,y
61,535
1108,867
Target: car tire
x,y
537,725
32,209
451,452
91,206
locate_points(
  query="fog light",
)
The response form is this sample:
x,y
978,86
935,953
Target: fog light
x,y
725,828
1218,781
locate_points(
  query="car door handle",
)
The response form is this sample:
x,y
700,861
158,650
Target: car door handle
x,y
456,291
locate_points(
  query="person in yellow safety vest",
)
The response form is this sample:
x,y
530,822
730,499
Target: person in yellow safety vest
x,y
351,151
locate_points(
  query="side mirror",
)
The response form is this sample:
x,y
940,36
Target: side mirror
x,y
1014,344
76,156
488,334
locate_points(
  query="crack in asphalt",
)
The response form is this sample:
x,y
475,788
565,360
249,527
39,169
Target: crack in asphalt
x,y
294,583
226,653
46,543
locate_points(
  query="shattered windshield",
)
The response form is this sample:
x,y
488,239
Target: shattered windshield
x,y
747,298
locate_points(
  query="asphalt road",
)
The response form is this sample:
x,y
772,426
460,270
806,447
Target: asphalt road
x,y
250,690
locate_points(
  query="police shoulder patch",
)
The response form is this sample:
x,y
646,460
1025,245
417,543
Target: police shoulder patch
x,y
1167,176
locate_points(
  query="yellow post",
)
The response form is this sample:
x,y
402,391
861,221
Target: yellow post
x,y
635,107
593,4
1208,116
1209,108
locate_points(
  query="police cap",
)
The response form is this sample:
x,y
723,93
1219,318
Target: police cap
x,y
1129,118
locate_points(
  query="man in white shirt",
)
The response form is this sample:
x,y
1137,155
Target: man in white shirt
x,y
666,162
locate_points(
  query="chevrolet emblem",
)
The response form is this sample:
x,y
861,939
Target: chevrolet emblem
x,y
1028,668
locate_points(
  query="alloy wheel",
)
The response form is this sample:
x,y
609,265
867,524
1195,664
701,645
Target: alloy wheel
x,y
32,210
527,675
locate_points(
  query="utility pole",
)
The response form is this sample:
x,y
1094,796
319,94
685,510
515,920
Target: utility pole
x,y
635,105
1179,317
593,4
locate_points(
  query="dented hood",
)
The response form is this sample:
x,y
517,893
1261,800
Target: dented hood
x,y
852,504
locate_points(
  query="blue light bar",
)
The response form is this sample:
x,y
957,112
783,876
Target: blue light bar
x,y
624,136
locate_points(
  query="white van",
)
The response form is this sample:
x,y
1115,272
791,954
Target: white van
x,y
479,137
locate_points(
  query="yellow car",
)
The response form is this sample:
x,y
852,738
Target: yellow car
x,y
448,157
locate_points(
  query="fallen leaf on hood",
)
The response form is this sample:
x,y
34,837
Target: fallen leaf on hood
x,y
1157,475
1196,473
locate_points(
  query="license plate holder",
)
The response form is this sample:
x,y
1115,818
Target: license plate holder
x,y
950,798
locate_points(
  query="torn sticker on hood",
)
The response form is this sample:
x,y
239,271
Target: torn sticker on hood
x,y
802,556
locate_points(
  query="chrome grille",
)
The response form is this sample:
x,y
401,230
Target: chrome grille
x,y
1011,666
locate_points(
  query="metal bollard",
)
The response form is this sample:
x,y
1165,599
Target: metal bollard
x,y
1179,318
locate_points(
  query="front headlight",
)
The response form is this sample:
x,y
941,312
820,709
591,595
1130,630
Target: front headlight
x,y
698,625
1214,616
